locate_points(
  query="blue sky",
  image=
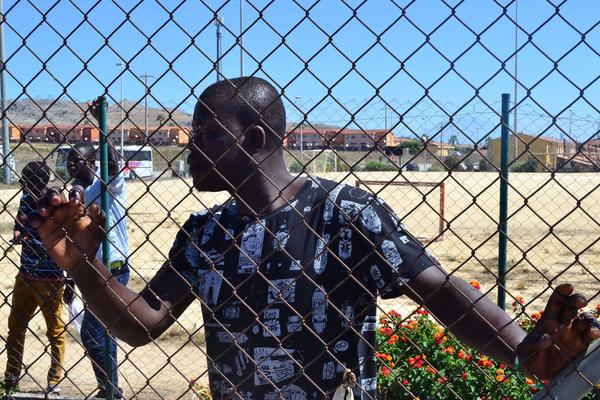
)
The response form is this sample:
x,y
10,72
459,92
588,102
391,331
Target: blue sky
x,y
413,54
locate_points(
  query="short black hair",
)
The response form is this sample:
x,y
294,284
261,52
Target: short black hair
x,y
36,172
248,101
84,148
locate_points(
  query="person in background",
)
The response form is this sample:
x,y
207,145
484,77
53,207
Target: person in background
x,y
39,283
82,167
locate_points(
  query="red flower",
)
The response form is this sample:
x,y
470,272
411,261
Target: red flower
x,y
422,311
475,284
385,371
461,354
464,376
598,307
394,314
405,382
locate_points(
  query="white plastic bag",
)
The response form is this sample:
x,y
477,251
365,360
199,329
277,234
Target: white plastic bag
x,y
75,314
346,390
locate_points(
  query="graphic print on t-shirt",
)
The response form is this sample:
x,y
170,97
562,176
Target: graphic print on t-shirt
x,y
251,248
284,318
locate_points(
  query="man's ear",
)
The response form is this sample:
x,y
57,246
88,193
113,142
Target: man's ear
x,y
255,139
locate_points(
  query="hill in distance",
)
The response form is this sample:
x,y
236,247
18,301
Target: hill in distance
x,y
66,112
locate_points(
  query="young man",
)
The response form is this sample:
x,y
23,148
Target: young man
x,y
81,165
288,270
39,283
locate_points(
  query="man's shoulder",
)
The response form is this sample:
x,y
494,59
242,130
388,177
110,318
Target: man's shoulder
x,y
338,192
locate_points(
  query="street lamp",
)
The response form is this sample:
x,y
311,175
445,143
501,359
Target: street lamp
x,y
146,76
218,25
425,146
122,134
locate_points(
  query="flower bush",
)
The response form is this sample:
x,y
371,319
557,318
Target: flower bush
x,y
417,358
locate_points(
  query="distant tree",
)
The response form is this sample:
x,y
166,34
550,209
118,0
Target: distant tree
x,y
451,163
470,164
295,167
413,146
525,166
161,118
484,166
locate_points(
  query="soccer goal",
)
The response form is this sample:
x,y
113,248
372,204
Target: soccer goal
x,y
420,205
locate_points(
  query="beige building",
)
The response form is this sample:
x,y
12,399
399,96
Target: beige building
x,y
548,151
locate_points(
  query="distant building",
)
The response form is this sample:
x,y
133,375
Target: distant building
x,y
338,138
549,151
436,148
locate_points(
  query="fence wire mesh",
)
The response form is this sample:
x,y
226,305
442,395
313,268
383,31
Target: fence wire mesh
x,y
399,101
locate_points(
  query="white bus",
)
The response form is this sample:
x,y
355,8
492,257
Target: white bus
x,y
139,161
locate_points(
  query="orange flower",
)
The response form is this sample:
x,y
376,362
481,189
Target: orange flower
x,y
536,316
475,284
499,378
450,350
430,369
439,337
529,381
598,307
394,314
520,299
500,371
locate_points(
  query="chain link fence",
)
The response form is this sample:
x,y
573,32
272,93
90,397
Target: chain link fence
x,y
400,99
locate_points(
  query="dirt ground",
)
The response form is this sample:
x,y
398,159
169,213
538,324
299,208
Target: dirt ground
x,y
553,229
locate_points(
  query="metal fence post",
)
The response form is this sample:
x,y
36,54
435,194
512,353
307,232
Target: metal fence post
x,y
503,225
5,135
109,366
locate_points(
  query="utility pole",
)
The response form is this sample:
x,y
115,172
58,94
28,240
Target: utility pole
x,y
515,119
5,136
122,133
241,42
218,24
299,99
146,76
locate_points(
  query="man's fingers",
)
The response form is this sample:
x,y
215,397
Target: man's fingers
x,y
571,307
532,344
557,301
77,195
587,326
97,215
54,197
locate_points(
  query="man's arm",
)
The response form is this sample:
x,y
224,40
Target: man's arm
x,y
72,237
468,314
407,268
136,318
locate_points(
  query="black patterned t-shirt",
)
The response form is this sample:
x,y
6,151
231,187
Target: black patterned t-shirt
x,y
289,300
